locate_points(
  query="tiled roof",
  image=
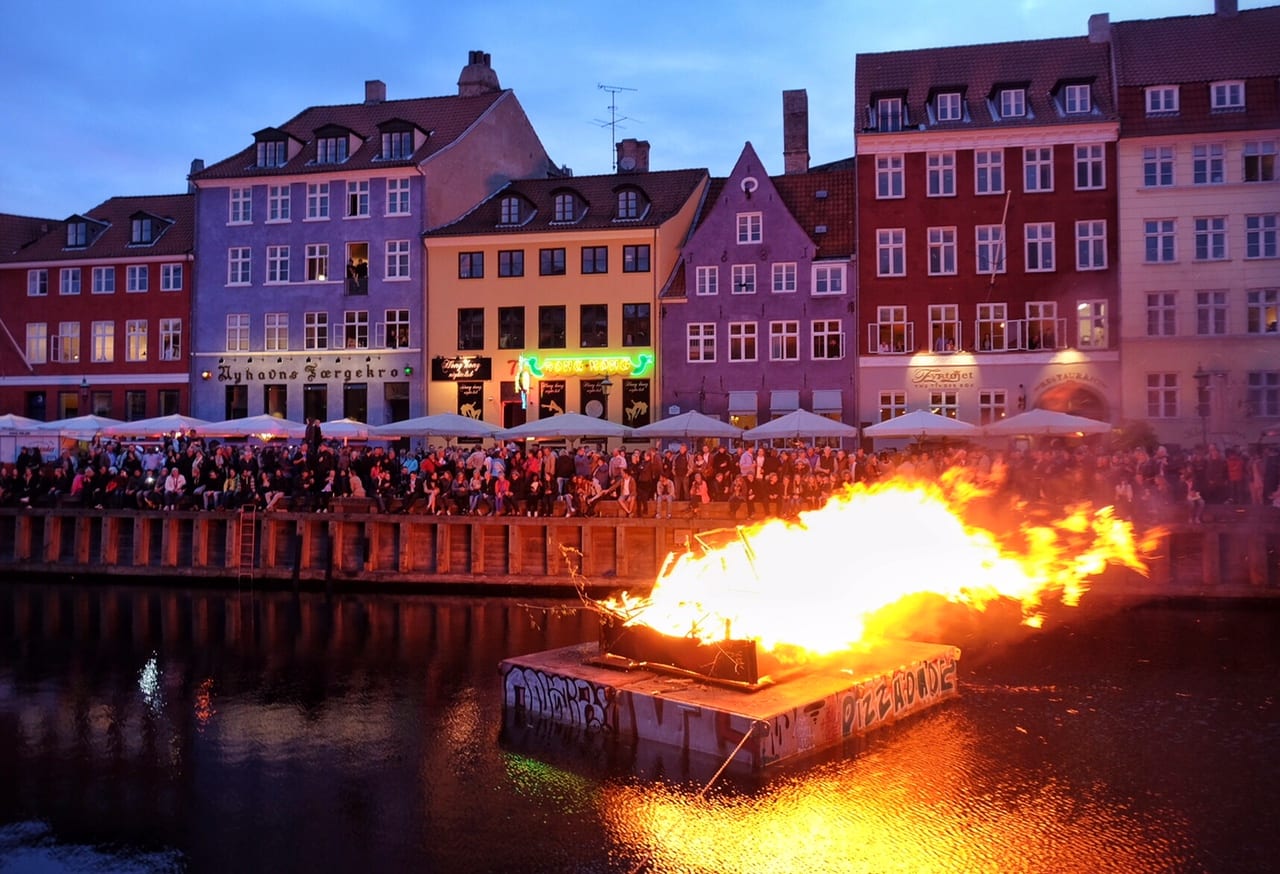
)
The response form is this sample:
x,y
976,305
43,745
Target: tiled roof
x,y
822,202
1198,48
445,119
664,192
17,231
979,70
117,214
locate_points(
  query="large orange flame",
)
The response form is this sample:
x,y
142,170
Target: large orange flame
x,y
811,586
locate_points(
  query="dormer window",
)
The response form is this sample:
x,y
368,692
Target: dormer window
x,y
628,204
1076,99
331,150
1162,99
1013,103
272,153
143,231
948,106
1226,95
397,145
890,115
510,207
564,208
77,235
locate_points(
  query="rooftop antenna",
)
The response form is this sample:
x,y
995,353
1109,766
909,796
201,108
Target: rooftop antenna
x,y
613,121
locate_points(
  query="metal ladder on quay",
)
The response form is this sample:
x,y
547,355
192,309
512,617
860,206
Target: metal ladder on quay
x,y
248,534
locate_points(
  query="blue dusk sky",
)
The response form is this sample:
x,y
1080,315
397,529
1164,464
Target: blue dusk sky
x,y
100,99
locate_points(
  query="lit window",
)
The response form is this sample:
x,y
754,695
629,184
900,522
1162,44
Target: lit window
x,y
315,330
1260,161
276,327
358,199
355,329
828,340
1262,311
37,343
700,342
742,341
135,340
171,339
317,262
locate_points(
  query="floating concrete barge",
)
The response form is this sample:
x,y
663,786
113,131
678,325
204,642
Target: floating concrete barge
x,y
809,712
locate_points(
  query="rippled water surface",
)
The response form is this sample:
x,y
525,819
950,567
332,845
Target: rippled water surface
x,y
148,730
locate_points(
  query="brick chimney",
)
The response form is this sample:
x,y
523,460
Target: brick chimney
x,y
375,91
477,76
1100,28
795,131
633,156
1225,8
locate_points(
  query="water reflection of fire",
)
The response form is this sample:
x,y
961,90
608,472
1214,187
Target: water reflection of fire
x,y
831,580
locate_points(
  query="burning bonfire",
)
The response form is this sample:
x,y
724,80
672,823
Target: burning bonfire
x,y
845,577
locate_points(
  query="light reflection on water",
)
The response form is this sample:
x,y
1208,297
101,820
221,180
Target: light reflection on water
x,y
203,731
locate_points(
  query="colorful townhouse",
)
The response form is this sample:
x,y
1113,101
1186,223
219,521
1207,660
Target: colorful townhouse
x,y
1199,222
760,319
544,298
96,312
311,303
988,281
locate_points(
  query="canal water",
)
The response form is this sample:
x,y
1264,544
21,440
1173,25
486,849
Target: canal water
x,y
144,729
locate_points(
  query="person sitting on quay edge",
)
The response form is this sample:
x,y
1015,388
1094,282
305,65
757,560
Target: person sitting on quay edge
x,y
175,487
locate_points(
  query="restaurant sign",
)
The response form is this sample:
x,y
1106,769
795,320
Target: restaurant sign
x,y
461,367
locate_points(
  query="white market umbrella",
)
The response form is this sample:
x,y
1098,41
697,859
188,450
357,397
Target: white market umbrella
x,y
345,429
263,427
81,427
797,424
437,425
14,422
1047,423
567,425
922,424
156,426
686,426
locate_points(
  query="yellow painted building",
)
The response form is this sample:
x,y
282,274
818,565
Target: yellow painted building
x,y
544,299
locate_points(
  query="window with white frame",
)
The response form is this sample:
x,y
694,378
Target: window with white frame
x,y
1091,245
396,329
784,341
315,330
317,201
37,283
143,231
1162,314
1208,164
988,171
67,347
1262,311
891,252
708,281
749,227
237,332
1076,99
397,145
1211,238
277,264
892,405
1158,241
700,342
69,280
277,203
944,327
893,332
1226,95
945,403
398,259
276,327
135,277
104,280
1093,330
992,327
135,340
241,206
1211,313
948,106
1162,395
828,339
1157,166
784,277
37,350
942,251
1013,103
509,211
331,150
272,153
171,277
941,175
239,262
744,279
889,114
989,247
993,405
828,279
1091,172
355,329
1260,161
889,177
1039,239
77,235
171,339
1262,393
358,198
1162,99
398,196
1042,324
1260,236
317,262
1037,169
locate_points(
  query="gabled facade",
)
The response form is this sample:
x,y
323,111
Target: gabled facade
x,y
760,320
544,299
96,313
311,302
1199,222
987,230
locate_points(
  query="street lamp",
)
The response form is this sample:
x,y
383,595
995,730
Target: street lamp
x,y
84,394
606,386
1202,402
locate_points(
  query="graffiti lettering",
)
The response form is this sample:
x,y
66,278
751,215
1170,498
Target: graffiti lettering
x,y
565,699
892,696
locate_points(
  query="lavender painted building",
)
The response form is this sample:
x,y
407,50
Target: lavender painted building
x,y
312,302
759,320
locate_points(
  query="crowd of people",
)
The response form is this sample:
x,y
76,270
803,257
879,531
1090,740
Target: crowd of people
x,y
741,483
